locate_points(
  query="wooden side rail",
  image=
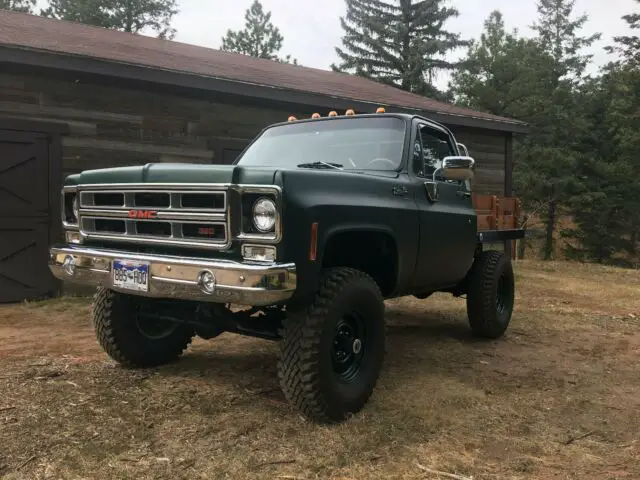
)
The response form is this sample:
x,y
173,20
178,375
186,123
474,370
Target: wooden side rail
x,y
497,213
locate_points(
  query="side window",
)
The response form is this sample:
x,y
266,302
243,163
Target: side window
x,y
431,147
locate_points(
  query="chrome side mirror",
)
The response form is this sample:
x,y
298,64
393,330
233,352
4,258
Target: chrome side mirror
x,y
458,168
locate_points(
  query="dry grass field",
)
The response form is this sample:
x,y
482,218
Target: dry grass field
x,y
557,397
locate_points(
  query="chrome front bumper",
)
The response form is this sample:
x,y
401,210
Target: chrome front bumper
x,y
177,277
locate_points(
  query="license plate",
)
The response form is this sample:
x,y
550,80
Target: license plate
x,y
130,275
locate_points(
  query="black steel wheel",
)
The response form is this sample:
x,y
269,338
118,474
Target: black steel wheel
x,y
134,333
332,351
490,296
348,346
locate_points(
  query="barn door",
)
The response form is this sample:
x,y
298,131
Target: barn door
x,y
25,216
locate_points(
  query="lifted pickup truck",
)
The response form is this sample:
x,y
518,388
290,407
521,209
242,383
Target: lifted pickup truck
x,y
300,240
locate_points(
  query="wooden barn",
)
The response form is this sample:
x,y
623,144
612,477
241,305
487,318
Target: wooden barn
x,y
75,97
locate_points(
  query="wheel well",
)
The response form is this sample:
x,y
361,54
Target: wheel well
x,y
374,253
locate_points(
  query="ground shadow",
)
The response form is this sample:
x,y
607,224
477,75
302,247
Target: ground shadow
x,y
428,342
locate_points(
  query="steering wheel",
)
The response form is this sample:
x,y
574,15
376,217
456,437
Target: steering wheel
x,y
384,160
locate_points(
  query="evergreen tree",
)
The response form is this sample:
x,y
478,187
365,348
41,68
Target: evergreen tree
x,y
504,75
597,207
509,76
629,45
398,42
547,165
607,209
558,35
134,16
25,6
260,38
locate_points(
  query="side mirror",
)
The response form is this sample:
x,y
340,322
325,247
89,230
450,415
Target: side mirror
x,y
458,168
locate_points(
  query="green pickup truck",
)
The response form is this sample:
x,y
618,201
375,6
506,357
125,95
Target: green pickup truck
x,y
301,240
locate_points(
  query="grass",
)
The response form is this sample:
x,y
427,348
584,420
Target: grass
x,y
557,397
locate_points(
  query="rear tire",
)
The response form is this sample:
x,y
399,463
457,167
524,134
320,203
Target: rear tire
x,y
332,351
130,337
490,296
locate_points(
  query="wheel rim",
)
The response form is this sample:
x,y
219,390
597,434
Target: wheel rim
x,y
155,327
348,347
502,295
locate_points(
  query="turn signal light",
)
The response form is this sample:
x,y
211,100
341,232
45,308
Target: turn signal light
x,y
73,237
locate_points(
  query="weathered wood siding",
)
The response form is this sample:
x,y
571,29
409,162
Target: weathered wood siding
x,y
115,126
111,126
489,151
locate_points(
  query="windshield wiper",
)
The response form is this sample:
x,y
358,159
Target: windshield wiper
x,y
337,166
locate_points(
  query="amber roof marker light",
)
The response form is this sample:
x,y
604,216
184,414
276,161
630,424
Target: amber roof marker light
x,y
292,119
315,115
350,112
380,110
333,113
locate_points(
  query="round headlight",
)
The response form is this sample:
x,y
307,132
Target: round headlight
x,y
76,208
264,214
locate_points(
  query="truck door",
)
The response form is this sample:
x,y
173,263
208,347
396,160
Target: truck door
x,y
447,217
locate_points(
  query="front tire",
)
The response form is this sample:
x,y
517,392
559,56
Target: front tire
x,y
490,296
332,351
129,333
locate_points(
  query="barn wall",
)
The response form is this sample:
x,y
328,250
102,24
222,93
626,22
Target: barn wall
x,y
489,149
115,126
112,126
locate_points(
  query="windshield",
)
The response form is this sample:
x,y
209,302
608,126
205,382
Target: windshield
x,y
344,143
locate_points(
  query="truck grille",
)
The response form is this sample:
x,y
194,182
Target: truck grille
x,y
194,218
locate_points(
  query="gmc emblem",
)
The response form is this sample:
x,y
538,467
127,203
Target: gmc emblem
x,y
208,231
146,214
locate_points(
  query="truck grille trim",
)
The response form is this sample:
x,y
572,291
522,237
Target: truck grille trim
x,y
193,218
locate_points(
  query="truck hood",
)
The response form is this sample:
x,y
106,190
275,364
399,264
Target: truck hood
x,y
176,173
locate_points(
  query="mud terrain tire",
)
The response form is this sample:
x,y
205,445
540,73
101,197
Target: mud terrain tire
x,y
490,296
117,323
332,351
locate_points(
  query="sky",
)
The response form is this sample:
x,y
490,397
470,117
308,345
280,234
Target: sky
x,y
311,29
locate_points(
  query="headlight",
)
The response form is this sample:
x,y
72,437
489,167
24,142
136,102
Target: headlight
x,y
264,214
76,208
70,208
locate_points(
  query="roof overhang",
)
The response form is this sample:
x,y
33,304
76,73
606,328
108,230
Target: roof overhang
x,y
83,65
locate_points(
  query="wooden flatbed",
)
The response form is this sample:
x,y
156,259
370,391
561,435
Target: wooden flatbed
x,y
498,219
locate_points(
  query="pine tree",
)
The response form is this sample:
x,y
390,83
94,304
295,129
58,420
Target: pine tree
x,y
502,73
509,76
260,38
398,42
558,35
606,210
547,166
25,6
629,45
134,16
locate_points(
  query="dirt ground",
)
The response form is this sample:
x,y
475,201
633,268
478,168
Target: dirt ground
x,y
557,397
